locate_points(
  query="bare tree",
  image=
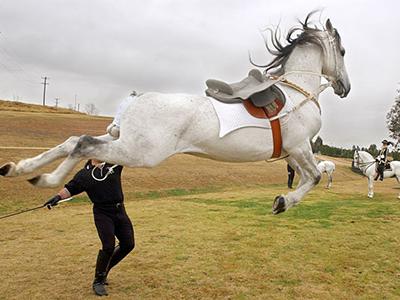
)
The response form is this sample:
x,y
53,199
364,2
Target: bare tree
x,y
91,109
393,118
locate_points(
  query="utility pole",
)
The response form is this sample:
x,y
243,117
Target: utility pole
x,y
45,83
57,100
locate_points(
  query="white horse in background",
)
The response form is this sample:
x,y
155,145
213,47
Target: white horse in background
x,y
328,167
156,126
367,164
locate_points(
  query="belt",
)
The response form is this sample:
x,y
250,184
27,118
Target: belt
x,y
109,205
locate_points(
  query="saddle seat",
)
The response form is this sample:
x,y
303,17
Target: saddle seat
x,y
256,87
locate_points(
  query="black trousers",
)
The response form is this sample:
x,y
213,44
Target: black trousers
x,y
113,222
380,168
291,174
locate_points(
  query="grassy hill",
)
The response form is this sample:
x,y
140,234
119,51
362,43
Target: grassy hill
x,y
6,105
204,229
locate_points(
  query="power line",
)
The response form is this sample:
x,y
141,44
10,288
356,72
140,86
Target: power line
x,y
45,83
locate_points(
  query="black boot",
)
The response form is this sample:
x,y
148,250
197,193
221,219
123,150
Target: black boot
x,y
118,255
103,259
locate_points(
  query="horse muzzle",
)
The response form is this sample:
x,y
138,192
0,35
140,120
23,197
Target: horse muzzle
x,y
341,88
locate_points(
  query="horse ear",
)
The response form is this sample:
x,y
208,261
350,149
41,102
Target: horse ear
x,y
329,26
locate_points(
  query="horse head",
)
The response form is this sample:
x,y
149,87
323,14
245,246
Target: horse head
x,y
333,65
363,159
329,42
356,159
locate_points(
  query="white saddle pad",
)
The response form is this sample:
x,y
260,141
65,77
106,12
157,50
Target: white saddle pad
x,y
234,116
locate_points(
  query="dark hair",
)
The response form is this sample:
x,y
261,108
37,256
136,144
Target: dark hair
x,y
305,34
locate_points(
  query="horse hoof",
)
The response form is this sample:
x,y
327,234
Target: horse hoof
x,y
44,181
279,205
7,169
34,181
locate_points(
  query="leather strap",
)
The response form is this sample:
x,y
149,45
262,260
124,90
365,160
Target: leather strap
x,y
276,127
268,112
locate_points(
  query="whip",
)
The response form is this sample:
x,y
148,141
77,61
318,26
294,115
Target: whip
x,y
31,209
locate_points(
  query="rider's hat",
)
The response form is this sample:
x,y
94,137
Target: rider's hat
x,y
385,142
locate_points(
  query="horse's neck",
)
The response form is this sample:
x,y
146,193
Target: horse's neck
x,y
305,62
366,157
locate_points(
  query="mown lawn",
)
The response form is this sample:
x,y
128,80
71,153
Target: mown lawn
x,y
204,230
222,244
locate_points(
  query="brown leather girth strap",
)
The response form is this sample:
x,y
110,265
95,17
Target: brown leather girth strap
x,y
257,112
276,127
268,112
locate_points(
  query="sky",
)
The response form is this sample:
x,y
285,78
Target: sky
x,y
98,51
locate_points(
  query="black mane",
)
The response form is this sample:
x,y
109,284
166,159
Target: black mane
x,y
304,35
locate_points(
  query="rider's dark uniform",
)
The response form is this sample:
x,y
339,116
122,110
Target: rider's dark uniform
x,y
291,174
381,161
103,187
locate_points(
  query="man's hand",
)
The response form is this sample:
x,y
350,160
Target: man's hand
x,y
53,201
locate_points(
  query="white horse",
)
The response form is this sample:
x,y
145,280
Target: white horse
x,y
367,164
156,126
328,167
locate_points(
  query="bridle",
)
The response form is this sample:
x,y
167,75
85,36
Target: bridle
x,y
363,165
309,96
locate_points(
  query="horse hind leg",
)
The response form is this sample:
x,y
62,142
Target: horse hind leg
x,y
115,152
29,165
83,145
329,185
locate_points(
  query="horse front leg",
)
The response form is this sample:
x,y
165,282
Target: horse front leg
x,y
310,176
370,187
29,165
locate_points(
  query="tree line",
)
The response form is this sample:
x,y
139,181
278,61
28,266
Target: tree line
x,y
319,147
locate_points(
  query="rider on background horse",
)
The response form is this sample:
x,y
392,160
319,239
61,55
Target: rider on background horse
x,y
381,159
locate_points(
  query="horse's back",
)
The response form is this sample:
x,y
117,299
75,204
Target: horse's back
x,y
183,123
395,166
331,165
326,166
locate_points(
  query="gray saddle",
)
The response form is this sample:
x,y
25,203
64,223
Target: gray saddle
x,y
256,87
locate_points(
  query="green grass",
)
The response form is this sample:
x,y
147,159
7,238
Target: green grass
x,y
173,193
200,244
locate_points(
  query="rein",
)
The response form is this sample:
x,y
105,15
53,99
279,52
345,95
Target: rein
x,y
309,96
364,165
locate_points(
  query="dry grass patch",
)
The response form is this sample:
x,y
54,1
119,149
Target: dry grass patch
x,y
204,230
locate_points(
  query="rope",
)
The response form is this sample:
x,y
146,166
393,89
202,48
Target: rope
x,y
309,96
110,171
25,148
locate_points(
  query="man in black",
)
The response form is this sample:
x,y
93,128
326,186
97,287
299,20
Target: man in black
x,y
102,183
291,174
381,160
